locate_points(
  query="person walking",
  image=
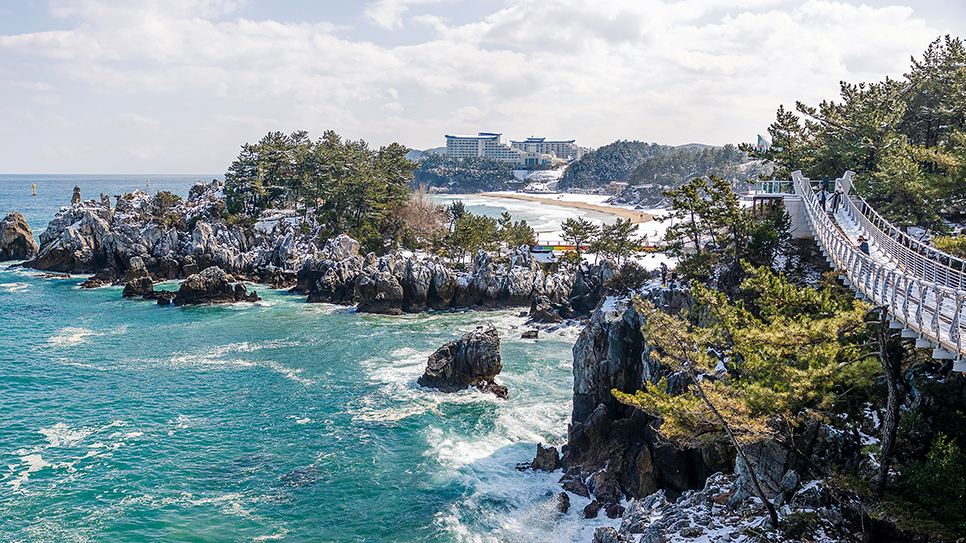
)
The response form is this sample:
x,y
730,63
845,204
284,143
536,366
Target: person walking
x,y
826,183
863,245
836,199
821,198
663,274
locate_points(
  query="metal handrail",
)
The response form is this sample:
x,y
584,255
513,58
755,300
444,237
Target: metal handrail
x,y
917,258
904,281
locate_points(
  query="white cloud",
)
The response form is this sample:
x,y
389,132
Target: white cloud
x,y
388,13
695,70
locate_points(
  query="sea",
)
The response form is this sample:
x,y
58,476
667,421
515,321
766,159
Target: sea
x,y
121,420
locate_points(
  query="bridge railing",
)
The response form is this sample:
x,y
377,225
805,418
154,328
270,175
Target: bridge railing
x,y
903,282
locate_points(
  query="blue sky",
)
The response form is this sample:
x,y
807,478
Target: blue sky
x,y
176,86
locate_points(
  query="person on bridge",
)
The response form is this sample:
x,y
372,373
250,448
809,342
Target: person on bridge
x,y
863,245
826,183
821,198
836,199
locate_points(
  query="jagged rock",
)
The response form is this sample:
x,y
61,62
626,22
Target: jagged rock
x,y
416,283
103,277
605,487
636,517
16,239
136,269
212,286
607,435
547,459
530,334
592,509
340,248
494,388
606,534
333,282
573,483
74,240
541,310
613,510
378,292
692,531
76,197
563,502
142,286
464,362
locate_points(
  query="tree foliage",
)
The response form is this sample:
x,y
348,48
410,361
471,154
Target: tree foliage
x,y
463,175
608,164
710,227
752,370
345,184
905,139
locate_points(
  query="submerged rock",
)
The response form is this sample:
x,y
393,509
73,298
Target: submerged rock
x,y
16,239
465,362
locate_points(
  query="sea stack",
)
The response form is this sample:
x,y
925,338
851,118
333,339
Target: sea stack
x,y
16,239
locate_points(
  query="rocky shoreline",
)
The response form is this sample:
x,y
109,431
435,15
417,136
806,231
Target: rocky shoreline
x,y
162,237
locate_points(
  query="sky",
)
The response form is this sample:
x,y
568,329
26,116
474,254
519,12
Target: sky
x,y
177,86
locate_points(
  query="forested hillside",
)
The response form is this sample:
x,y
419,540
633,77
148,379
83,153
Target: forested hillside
x,y
608,164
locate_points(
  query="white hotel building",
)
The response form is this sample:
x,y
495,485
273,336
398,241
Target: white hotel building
x,y
529,152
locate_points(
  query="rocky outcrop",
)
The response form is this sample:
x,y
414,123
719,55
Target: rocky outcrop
x,y
466,362
16,239
212,286
173,239
612,448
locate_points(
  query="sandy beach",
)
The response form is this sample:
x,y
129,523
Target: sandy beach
x,y
624,213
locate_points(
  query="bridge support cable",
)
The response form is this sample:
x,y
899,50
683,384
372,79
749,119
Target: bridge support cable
x,y
922,288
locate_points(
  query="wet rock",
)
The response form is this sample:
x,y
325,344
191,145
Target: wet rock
x,y
103,278
140,287
606,534
563,502
592,509
464,362
164,297
614,510
541,310
212,286
378,292
529,334
547,459
575,485
76,197
605,487
494,388
16,239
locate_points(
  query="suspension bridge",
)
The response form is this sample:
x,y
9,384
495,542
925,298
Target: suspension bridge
x,y
923,289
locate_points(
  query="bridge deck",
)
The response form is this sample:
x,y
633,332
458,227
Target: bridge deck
x,y
923,289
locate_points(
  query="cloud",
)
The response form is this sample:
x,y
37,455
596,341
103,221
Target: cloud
x,y
388,13
674,72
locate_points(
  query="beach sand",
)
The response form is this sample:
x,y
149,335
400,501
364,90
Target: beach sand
x,y
634,215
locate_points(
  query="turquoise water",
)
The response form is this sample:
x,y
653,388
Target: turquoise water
x,y
121,420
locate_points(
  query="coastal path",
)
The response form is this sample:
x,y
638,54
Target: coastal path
x,y
923,289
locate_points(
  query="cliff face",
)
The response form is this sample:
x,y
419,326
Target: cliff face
x,y
607,436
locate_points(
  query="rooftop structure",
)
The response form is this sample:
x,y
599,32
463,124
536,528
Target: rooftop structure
x,y
530,152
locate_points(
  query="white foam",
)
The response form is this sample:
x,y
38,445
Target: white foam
x,y
71,336
14,287
34,463
60,434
